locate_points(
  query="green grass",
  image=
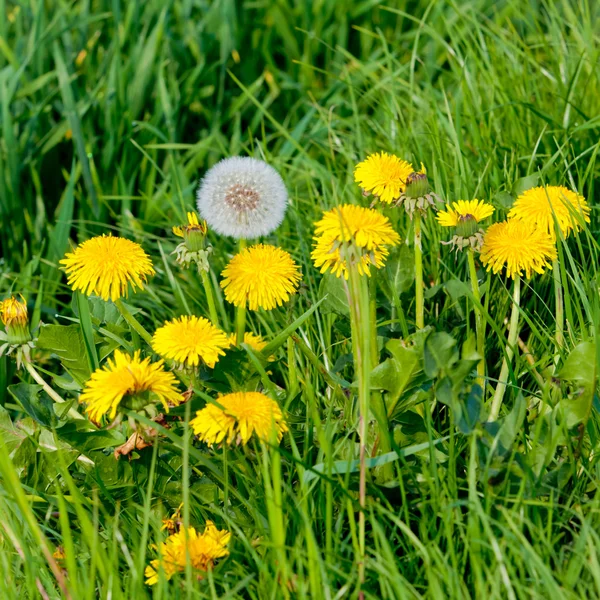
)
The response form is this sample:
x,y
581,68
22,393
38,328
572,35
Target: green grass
x,y
493,97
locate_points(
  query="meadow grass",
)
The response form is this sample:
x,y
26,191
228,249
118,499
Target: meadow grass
x,y
110,113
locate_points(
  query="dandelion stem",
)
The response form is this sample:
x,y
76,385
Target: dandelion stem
x,y
513,331
560,307
210,297
360,317
240,313
419,319
56,397
479,320
132,321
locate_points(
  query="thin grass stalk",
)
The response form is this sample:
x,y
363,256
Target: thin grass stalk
x,y
133,322
513,331
420,310
559,306
210,297
479,319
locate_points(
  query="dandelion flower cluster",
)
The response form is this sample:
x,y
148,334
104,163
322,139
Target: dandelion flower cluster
x,y
383,175
519,246
540,205
203,550
464,216
127,379
189,340
350,234
243,414
242,197
106,266
261,276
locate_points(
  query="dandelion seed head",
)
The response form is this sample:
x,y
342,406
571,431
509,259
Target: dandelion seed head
x,y
242,197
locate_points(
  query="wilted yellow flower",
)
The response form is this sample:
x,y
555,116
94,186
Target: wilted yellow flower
x,y
540,205
354,234
517,245
203,551
465,216
188,340
106,266
173,523
243,414
126,379
383,175
253,340
261,276
13,312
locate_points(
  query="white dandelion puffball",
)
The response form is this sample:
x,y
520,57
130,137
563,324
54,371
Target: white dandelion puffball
x,y
242,197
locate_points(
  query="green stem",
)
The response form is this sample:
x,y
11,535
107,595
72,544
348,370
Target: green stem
x,y
133,322
38,378
513,331
479,319
210,297
560,307
420,318
240,313
361,340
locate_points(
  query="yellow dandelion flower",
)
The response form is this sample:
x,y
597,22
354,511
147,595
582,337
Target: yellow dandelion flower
x,y
188,340
517,245
13,312
352,233
383,175
59,554
243,414
203,549
106,266
540,205
253,340
477,210
261,276
173,523
465,216
193,225
126,379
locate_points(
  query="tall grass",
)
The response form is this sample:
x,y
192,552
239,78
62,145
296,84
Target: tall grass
x,y
110,112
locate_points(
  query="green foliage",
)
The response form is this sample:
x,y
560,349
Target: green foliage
x,y
110,112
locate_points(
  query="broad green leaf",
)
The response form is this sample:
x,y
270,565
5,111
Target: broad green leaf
x,y
524,184
400,269
580,369
440,352
36,403
66,341
334,295
11,436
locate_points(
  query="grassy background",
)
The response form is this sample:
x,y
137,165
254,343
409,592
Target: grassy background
x,y
112,110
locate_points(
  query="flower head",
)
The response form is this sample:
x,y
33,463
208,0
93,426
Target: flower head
x,y
540,205
261,276
173,523
194,236
242,197
106,266
203,549
130,380
243,414
518,246
189,340
383,175
352,234
465,216
417,194
253,340
13,313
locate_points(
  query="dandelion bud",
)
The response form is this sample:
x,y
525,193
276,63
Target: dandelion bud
x,y
417,194
193,249
465,216
14,316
